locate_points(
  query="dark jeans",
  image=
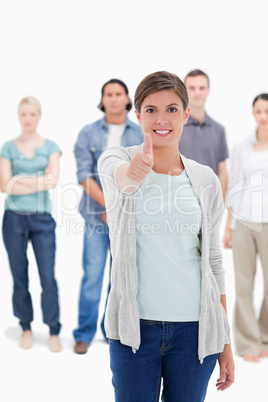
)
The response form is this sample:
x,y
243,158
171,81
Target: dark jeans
x,y
168,350
18,229
96,246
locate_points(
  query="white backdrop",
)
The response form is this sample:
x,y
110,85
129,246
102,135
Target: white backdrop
x,y
62,52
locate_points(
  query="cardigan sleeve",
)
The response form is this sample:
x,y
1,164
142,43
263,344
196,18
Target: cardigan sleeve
x,y
108,164
215,251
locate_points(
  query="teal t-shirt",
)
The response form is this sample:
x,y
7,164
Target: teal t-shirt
x,y
168,221
23,166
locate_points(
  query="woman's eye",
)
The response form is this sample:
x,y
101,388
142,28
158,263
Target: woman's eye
x,y
172,110
151,110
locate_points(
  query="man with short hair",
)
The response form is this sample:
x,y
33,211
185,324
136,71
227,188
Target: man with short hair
x,y
114,129
203,139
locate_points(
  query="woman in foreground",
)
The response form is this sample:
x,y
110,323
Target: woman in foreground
x,y
29,168
165,314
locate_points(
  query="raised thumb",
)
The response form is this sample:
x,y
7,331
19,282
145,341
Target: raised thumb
x,y
148,145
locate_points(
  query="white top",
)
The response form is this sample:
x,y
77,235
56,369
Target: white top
x,y
168,223
254,199
237,181
115,132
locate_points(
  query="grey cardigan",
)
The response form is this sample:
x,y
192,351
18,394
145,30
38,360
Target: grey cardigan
x,y
122,314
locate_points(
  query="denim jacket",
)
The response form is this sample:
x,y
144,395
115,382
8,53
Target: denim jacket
x,y
91,142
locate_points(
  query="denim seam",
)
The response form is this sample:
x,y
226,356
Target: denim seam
x,y
165,348
26,239
171,338
159,382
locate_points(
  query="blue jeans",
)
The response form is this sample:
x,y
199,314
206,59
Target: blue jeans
x,y
18,229
168,350
96,246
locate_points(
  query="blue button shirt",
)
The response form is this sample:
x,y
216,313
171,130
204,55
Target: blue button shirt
x,y
91,142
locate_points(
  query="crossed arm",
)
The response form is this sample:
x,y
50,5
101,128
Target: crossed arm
x,y
23,185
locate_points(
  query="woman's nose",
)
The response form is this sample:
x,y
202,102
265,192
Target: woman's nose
x,y
162,121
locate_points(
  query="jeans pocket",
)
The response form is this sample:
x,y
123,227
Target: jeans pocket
x,y
46,218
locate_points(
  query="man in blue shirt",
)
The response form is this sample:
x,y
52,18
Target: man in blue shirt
x,y
203,139
114,129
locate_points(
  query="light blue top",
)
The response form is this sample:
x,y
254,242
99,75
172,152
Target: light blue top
x,y
168,222
23,166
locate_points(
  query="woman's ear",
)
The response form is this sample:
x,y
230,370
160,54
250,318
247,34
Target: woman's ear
x,y
138,116
186,115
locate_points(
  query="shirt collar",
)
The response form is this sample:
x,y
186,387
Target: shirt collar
x,y
105,125
193,122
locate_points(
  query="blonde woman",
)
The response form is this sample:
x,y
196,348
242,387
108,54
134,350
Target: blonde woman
x,y
29,168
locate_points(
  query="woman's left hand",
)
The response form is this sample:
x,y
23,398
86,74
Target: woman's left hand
x,y
227,369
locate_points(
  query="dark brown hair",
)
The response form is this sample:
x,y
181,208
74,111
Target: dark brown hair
x,y
261,96
195,73
115,81
159,81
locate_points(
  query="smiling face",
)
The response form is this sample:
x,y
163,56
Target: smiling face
x,y
260,112
198,90
29,117
114,99
163,117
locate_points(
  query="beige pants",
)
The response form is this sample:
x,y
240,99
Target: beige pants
x,y
248,240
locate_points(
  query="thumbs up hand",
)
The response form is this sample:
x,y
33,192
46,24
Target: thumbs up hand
x,y
148,145
142,163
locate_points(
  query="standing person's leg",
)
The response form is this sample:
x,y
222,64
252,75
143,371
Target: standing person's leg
x,y
15,235
108,291
184,377
137,376
262,244
42,235
247,330
96,243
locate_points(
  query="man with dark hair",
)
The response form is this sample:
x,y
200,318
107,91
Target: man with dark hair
x,y
203,139
114,129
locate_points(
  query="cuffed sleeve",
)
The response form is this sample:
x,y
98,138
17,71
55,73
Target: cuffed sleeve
x,y
53,148
83,155
6,151
223,147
